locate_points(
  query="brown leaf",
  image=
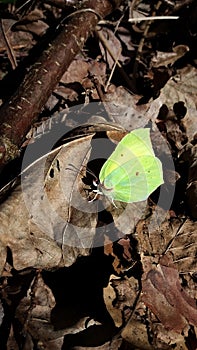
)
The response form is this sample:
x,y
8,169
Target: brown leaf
x,y
184,247
39,325
109,296
177,235
46,216
154,233
126,244
123,109
164,295
126,215
189,155
18,40
182,88
76,72
169,58
32,23
135,333
113,45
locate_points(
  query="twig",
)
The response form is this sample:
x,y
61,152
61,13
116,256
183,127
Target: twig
x,y
142,41
119,66
151,18
8,47
112,71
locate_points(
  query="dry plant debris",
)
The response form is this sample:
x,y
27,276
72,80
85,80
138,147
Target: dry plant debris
x,y
75,77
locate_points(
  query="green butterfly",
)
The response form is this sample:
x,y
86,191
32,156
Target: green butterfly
x,y
132,172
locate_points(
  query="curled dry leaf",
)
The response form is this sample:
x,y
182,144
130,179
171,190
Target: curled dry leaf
x,y
109,296
38,326
120,297
53,220
174,130
80,74
17,41
169,58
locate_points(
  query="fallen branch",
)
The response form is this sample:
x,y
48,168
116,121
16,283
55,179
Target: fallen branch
x,y
17,114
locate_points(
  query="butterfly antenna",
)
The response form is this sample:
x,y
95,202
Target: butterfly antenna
x,y
74,168
77,170
91,173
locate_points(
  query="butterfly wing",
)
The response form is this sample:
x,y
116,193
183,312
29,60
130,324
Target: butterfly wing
x,y
135,144
132,172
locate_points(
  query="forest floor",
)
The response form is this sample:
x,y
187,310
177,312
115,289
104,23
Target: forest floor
x,y
78,270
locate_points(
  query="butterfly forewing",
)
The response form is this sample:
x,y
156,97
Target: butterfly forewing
x,y
138,142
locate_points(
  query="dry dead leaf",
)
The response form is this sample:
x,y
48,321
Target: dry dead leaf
x,y
182,88
178,234
188,155
113,46
80,72
109,299
144,332
124,35
32,23
76,72
164,295
41,298
154,233
126,215
123,109
36,321
165,339
47,218
167,249
18,40
79,68
135,333
169,58
184,247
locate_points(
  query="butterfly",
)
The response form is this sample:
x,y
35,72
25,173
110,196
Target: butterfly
x,y
132,172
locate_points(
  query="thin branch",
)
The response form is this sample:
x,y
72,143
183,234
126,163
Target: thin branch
x,y
151,18
10,51
119,66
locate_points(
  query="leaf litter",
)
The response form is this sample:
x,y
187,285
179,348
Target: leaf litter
x,y
149,276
